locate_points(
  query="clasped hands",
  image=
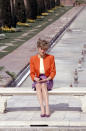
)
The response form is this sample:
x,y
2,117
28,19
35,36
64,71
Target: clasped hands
x,y
41,80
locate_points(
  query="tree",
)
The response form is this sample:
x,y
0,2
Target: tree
x,y
52,3
20,11
6,13
40,7
57,2
1,21
13,15
32,4
47,4
27,7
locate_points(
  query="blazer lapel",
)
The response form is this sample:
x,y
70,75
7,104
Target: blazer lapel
x,y
38,64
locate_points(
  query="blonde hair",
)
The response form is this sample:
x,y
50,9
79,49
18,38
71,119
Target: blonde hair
x,y
42,44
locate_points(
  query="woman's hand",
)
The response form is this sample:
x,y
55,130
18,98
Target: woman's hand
x,y
43,80
36,79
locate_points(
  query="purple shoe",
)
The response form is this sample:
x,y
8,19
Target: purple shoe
x,y
47,115
42,115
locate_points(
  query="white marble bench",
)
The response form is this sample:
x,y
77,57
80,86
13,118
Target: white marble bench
x,y
77,92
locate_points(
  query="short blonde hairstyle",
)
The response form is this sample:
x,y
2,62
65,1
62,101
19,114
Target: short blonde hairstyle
x,y
42,44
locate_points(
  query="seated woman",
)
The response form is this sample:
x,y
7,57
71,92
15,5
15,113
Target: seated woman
x,y
42,72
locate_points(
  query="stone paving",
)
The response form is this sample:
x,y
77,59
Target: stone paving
x,y
18,59
67,2
65,110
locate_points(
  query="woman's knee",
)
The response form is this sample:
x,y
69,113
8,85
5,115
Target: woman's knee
x,y
38,86
44,85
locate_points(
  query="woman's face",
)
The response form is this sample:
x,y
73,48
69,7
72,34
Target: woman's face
x,y
42,51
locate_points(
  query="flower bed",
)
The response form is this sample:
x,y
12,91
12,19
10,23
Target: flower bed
x,y
44,14
40,17
30,20
22,24
7,29
50,11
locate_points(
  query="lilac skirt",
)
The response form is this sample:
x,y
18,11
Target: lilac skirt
x,y
49,83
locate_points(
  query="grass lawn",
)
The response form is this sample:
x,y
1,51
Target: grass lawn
x,y
16,39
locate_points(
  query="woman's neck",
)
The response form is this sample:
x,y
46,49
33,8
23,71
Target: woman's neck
x,y
41,56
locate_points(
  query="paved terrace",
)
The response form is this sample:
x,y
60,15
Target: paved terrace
x,y
67,2
65,110
18,59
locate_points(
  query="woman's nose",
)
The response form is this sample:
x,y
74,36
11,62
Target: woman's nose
x,y
43,50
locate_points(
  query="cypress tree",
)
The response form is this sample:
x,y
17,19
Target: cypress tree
x,y
1,21
13,15
20,11
27,7
58,2
40,7
32,4
6,13
47,4
52,3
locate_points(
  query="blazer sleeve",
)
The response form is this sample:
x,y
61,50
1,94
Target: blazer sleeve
x,y
32,69
53,68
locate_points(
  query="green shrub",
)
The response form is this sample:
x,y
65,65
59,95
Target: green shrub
x,y
11,74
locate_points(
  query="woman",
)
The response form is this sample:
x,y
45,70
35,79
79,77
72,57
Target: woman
x,y
42,72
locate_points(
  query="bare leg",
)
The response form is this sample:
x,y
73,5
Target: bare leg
x,y
40,97
45,97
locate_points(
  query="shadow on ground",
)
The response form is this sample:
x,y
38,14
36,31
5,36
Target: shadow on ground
x,y
57,107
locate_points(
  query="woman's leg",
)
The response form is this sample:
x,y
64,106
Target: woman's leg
x,y
45,97
40,97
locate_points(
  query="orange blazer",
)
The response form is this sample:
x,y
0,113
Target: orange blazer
x,y
49,66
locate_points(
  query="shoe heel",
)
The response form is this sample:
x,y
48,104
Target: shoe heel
x,y
43,115
47,115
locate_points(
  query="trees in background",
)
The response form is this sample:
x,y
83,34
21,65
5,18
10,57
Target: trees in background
x,y
27,7
57,2
52,3
6,13
1,12
13,15
12,11
20,11
40,6
47,4
32,4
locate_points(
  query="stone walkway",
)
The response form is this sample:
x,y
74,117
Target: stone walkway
x,y
24,112
67,2
18,59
